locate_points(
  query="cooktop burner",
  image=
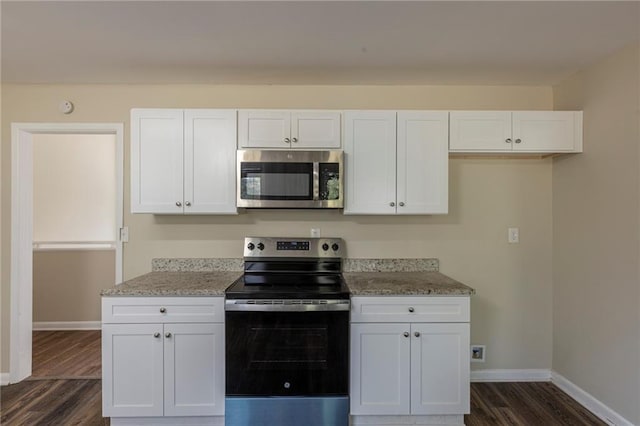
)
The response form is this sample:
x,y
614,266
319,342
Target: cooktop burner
x,y
287,268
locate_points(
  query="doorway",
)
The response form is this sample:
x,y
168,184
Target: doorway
x,y
24,135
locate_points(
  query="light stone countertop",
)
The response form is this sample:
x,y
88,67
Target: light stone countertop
x,y
364,277
404,284
359,283
175,284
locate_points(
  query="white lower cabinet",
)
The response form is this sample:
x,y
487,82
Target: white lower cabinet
x,y
132,370
162,369
409,368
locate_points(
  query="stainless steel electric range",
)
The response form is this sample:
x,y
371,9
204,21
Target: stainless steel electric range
x,y
287,335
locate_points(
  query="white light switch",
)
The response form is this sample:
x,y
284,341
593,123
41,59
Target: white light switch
x,y
514,235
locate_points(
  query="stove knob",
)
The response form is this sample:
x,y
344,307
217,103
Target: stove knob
x,y
250,246
325,247
335,247
260,246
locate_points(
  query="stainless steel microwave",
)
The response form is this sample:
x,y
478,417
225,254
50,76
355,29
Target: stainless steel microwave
x,y
290,179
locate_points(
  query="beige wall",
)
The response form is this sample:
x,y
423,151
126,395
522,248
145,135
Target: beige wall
x,y
596,309
67,283
511,312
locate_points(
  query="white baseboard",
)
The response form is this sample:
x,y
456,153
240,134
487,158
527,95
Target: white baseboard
x,y
67,325
530,375
588,401
4,379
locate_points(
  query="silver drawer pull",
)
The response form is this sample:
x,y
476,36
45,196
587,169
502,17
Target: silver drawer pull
x,y
167,335
156,334
163,310
411,309
417,334
405,334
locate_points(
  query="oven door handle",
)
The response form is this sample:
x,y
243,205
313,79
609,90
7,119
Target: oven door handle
x,y
286,305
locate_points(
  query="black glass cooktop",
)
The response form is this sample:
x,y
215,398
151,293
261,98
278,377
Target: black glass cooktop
x,y
288,286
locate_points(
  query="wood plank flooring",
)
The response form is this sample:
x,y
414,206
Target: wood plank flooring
x,y
67,354
525,404
52,397
52,402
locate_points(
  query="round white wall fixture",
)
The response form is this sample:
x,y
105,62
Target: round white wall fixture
x,y
66,107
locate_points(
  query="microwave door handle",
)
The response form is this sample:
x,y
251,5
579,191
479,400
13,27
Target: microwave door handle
x,y
316,181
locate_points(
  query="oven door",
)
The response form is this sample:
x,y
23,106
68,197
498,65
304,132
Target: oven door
x,y
287,353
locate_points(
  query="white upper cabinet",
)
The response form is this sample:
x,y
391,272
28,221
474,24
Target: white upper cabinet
x,y
183,161
396,163
370,162
519,131
210,152
422,163
289,129
156,160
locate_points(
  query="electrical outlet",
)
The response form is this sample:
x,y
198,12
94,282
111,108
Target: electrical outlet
x,y
315,232
478,353
514,235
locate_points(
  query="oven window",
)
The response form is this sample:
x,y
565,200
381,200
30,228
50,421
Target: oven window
x,y
274,348
276,181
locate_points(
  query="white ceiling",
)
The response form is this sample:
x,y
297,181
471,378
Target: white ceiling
x,y
306,42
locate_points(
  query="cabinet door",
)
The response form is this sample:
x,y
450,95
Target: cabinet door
x,y
132,370
315,129
194,369
440,368
379,369
480,131
156,160
210,161
370,162
423,162
545,131
264,129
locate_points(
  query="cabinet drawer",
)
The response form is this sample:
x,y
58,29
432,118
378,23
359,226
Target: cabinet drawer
x,y
410,309
162,309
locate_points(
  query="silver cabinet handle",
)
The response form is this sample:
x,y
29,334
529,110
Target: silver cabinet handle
x,y
287,140
187,203
294,140
401,204
508,140
167,335
163,310
518,140
411,309
417,334
178,203
392,204
156,334
405,334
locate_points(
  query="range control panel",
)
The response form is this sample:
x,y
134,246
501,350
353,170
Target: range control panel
x,y
293,247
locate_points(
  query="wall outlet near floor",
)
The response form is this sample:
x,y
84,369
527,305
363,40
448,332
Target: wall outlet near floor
x,y
478,353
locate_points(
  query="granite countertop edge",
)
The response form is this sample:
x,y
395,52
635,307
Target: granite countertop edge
x,y
214,283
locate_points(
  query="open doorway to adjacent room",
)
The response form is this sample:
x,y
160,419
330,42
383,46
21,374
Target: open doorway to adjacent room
x,y
66,220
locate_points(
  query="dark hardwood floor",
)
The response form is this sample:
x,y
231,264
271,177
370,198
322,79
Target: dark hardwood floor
x,y
67,354
52,402
54,397
526,404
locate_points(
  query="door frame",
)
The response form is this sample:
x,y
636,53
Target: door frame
x,y
21,315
